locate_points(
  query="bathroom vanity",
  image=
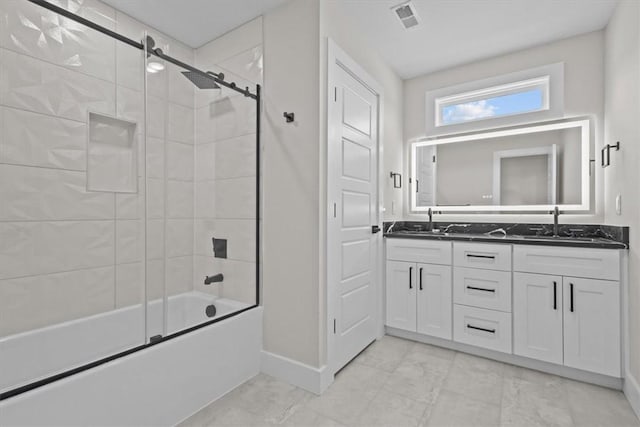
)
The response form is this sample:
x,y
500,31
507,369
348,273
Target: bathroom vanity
x,y
549,303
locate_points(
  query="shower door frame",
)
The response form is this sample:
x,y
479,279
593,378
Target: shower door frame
x,y
257,97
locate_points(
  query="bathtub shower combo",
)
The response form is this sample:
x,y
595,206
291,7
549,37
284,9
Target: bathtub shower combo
x,y
129,219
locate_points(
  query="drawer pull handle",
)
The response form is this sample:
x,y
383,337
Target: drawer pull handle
x,y
491,331
420,278
571,297
480,289
410,275
555,295
481,256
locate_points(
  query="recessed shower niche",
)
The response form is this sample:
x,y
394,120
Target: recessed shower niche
x,y
112,154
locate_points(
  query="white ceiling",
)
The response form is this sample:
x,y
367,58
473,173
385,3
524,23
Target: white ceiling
x,y
454,32
194,22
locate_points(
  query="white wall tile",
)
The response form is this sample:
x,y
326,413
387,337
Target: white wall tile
x,y
179,237
155,239
204,266
38,86
32,248
155,200
205,198
156,115
230,44
205,162
155,158
130,106
129,284
155,279
235,157
28,193
180,161
128,241
130,206
240,235
39,140
179,199
179,275
93,10
37,301
31,30
247,65
130,63
235,198
225,118
180,122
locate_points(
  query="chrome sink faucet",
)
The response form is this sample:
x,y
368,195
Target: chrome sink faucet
x,y
430,226
556,214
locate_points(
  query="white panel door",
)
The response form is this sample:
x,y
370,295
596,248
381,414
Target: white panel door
x,y
537,316
352,247
401,295
434,301
592,325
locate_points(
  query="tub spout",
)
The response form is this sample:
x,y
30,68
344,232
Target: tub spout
x,y
213,279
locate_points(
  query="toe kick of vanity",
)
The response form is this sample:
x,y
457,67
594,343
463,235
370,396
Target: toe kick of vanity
x,y
524,303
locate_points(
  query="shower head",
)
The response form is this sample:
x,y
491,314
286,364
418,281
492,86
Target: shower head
x,y
201,81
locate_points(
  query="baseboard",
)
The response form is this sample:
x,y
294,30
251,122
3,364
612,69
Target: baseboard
x,y
631,389
315,380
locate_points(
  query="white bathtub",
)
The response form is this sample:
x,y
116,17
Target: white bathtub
x,y
213,359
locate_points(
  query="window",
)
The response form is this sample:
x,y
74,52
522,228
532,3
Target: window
x,y
525,96
506,100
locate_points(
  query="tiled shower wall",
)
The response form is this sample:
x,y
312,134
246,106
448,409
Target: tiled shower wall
x,y
65,252
225,197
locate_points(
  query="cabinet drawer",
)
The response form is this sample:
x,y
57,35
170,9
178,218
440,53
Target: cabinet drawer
x,y
482,288
563,261
480,255
482,328
422,251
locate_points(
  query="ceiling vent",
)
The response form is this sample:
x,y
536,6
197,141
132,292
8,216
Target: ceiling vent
x,y
406,13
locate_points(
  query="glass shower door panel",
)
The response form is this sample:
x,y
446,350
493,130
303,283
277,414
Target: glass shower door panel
x,y
71,235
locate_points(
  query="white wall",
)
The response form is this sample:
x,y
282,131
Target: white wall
x,y
291,182
622,114
583,58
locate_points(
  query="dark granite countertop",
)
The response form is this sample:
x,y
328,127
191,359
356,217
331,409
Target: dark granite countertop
x,y
573,235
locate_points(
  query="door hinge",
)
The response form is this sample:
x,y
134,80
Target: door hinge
x,y
434,159
334,326
335,94
335,210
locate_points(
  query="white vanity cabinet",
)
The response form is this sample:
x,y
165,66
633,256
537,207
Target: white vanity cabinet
x,y
555,304
418,293
564,319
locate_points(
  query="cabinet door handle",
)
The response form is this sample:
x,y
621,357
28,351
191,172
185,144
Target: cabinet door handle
x,y
571,297
410,274
480,289
555,295
481,256
491,331
420,273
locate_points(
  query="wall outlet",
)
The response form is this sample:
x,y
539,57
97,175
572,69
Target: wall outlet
x,y
619,204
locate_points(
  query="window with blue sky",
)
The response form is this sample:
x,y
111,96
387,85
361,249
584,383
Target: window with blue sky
x,y
505,105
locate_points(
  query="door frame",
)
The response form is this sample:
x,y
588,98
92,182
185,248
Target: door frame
x,y
336,57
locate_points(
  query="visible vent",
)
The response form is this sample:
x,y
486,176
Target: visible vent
x,y
406,12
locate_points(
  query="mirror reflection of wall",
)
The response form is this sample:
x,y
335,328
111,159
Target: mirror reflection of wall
x,y
536,168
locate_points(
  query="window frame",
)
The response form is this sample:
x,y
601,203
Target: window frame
x,y
548,77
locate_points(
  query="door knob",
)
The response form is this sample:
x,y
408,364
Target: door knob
x,y
375,229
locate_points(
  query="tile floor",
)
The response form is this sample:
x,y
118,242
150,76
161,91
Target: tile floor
x,y
400,383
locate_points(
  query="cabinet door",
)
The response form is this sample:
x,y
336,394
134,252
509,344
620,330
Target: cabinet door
x,y
401,295
592,325
434,300
537,316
